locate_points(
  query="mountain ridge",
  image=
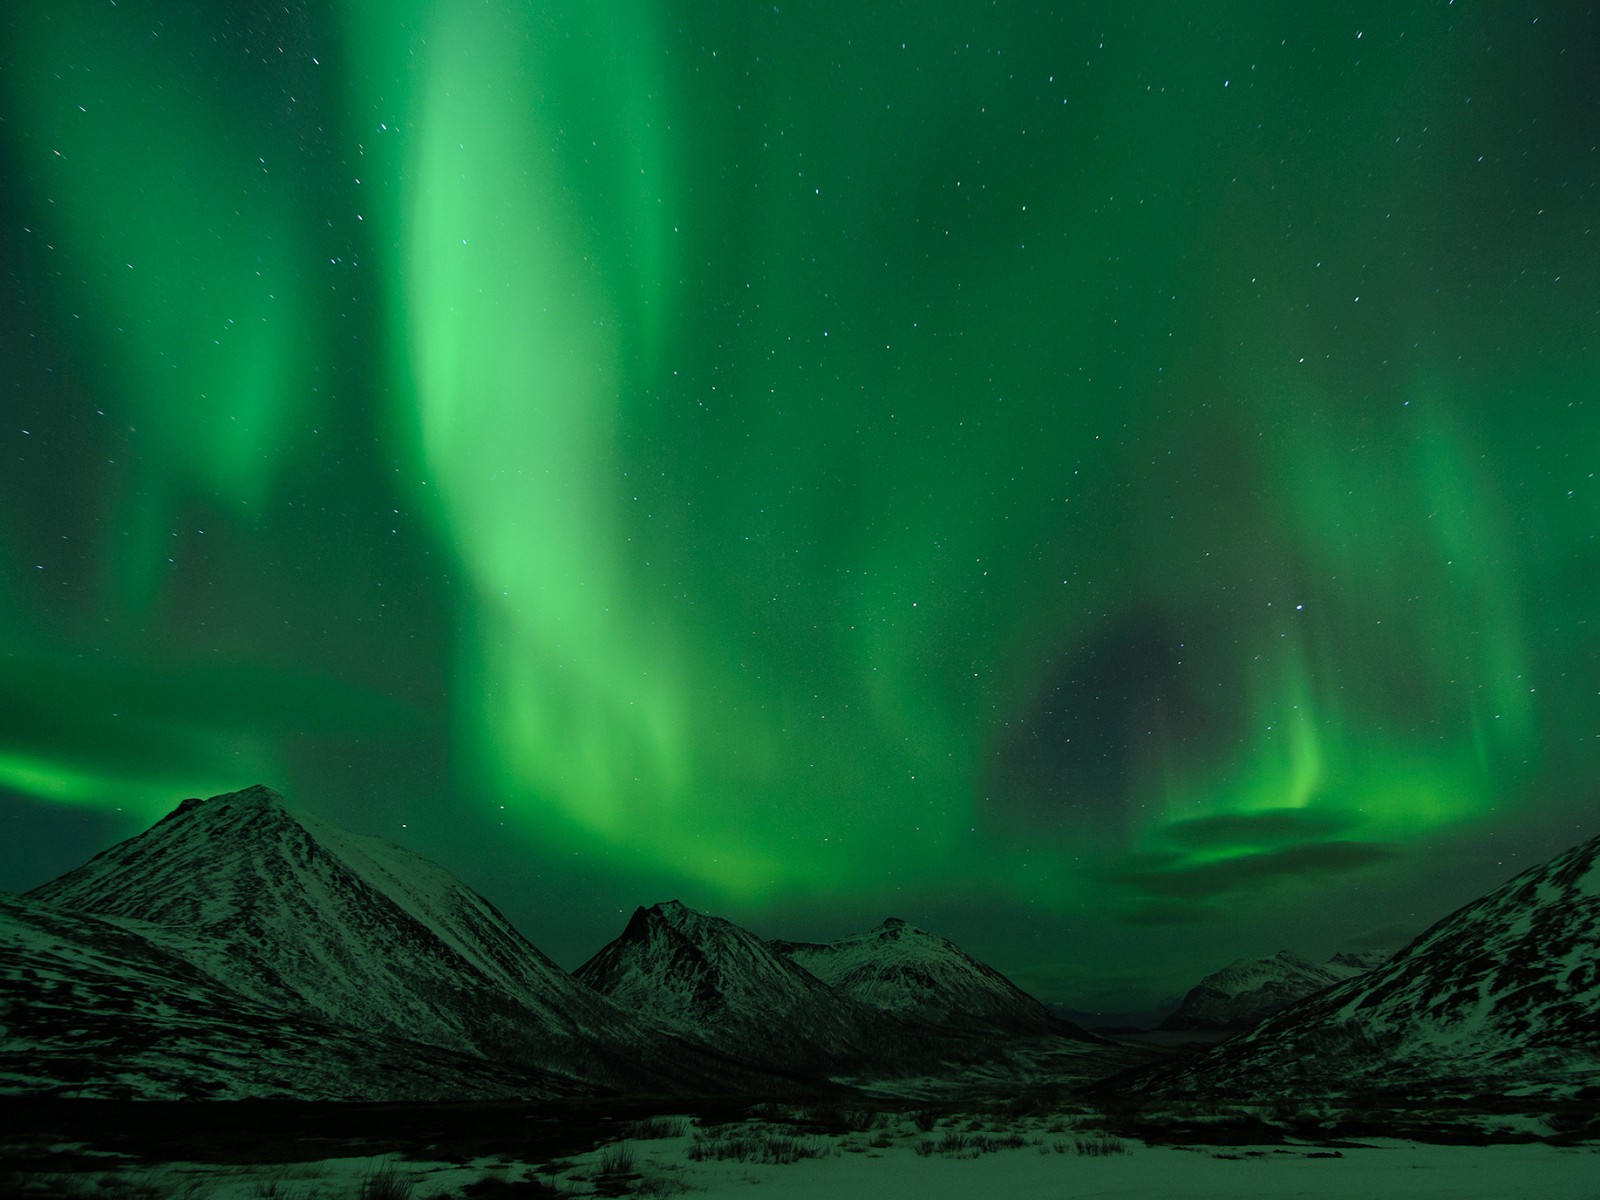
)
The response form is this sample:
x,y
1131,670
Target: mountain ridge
x,y
280,905
909,972
1501,996
705,977
906,1013
289,911
1248,989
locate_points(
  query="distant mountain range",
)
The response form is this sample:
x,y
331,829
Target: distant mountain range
x,y
894,1002
261,935
707,978
242,948
920,976
1248,989
1502,998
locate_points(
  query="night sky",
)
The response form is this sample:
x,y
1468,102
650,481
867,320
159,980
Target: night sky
x,y
1115,485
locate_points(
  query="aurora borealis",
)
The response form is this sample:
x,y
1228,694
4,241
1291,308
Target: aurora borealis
x,y
1116,485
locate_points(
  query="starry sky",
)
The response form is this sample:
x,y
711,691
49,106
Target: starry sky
x,y
1113,484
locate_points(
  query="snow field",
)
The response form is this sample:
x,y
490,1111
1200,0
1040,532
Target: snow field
x,y
1029,1159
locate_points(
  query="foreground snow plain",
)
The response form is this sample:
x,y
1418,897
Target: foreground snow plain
x,y
1392,1169
1023,1162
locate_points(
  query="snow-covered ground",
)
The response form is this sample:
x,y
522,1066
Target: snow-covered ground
x,y
1388,1169
1031,1157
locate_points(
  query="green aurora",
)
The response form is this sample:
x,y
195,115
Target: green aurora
x,y
1115,485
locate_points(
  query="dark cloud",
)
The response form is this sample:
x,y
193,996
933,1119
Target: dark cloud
x,y
1274,825
1176,877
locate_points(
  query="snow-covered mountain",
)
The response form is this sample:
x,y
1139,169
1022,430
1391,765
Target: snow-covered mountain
x,y
292,913
1360,962
925,978
709,979
241,947
1501,997
90,1009
900,1011
1244,991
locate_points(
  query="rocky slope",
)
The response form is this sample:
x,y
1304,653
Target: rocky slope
x,y
1502,997
91,1009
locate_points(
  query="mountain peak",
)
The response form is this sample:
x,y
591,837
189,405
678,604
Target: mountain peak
x,y
185,806
257,795
707,978
675,914
900,969
286,909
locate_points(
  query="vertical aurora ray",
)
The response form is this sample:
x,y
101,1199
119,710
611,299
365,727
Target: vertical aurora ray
x,y
517,375
530,279
595,694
